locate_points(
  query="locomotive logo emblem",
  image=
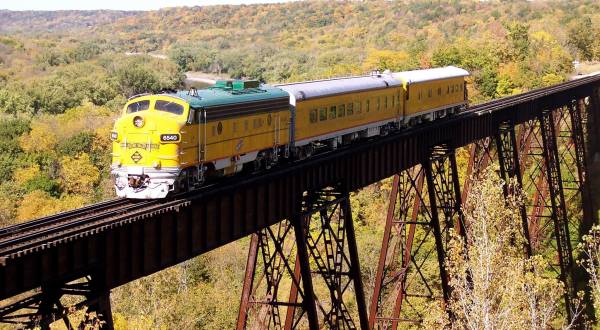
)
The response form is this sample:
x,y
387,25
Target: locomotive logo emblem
x,y
136,157
239,145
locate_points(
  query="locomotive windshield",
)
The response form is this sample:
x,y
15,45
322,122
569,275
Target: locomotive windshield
x,y
138,106
167,106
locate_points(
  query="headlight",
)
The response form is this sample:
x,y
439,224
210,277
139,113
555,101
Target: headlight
x,y
138,121
169,138
114,136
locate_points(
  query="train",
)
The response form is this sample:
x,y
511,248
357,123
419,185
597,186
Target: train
x,y
175,141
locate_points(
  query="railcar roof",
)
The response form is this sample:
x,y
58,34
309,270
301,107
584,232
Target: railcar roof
x,y
416,76
212,96
319,88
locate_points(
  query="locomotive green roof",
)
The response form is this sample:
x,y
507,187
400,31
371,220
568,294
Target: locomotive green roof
x,y
215,96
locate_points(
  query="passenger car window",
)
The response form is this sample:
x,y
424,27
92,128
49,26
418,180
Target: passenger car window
x,y
350,109
342,110
332,112
358,110
167,106
138,106
313,115
322,114
368,105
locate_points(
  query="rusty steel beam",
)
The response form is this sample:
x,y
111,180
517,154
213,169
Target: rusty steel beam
x,y
406,192
576,114
248,283
479,158
444,199
509,161
559,210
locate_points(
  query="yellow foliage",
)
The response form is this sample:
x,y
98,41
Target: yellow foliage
x,y
47,131
386,60
36,204
42,137
23,175
102,140
7,211
551,79
39,203
78,175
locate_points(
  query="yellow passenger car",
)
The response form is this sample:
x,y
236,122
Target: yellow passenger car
x,y
433,93
336,111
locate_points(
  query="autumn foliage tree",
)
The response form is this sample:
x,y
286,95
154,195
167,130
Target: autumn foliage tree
x,y
494,286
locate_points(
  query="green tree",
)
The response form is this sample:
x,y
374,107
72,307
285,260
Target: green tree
x,y
582,37
518,36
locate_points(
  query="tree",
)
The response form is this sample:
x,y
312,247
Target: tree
x,y
590,248
387,60
41,138
493,285
518,36
78,175
582,37
14,100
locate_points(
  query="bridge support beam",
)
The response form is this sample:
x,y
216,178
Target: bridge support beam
x,y
44,308
397,255
508,159
479,159
558,206
324,234
424,205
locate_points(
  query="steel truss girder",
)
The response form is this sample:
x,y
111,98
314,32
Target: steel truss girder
x,y
510,168
42,308
325,235
479,158
554,182
275,255
444,202
550,153
433,211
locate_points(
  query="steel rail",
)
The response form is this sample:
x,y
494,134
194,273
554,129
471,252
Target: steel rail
x,y
58,218
44,231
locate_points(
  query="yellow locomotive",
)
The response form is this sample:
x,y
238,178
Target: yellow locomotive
x,y
173,142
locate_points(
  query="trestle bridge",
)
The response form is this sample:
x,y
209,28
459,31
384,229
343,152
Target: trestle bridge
x,y
300,219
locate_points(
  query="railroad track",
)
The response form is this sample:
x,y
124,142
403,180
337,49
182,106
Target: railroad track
x,y
38,234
